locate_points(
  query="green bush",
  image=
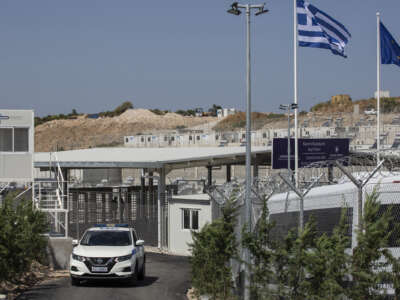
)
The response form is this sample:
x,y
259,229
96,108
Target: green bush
x,y
262,249
212,249
305,265
119,110
367,266
21,241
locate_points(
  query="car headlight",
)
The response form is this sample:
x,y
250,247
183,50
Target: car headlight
x,y
123,258
78,257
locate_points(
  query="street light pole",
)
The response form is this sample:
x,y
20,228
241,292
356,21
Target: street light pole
x,y
235,11
287,108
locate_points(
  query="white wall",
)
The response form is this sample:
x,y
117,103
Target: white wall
x,y
17,165
178,238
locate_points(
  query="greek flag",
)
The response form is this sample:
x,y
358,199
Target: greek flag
x,y
319,30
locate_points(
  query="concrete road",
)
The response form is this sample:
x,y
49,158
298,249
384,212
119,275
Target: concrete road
x,y
167,277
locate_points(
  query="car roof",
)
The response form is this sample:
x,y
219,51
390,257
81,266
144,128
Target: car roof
x,y
109,229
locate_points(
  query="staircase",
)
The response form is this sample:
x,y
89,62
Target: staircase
x,y
51,197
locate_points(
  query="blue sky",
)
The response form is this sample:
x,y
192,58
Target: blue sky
x,y
92,55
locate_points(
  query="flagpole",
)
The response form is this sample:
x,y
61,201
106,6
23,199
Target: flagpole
x,y
378,84
296,162
296,144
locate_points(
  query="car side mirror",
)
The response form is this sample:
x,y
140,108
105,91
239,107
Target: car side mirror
x,y
75,243
139,242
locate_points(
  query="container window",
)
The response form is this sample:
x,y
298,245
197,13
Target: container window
x,y
21,139
6,139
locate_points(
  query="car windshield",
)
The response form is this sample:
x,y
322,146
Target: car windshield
x,y
106,238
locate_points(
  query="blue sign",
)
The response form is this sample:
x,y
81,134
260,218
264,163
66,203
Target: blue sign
x,y
310,151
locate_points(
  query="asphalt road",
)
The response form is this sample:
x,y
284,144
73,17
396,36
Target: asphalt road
x,y
167,277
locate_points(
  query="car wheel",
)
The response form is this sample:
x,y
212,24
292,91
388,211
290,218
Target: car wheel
x,y
75,281
132,280
142,271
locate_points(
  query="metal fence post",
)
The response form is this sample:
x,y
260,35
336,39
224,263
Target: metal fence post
x,y
360,185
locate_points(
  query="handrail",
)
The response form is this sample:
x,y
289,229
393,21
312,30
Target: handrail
x,y
6,186
60,190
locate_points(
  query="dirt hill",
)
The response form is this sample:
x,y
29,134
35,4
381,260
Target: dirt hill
x,y
388,105
84,132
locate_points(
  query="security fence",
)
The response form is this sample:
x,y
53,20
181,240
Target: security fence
x,y
133,205
334,193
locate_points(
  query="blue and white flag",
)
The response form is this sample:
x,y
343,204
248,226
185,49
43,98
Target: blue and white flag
x,y
319,30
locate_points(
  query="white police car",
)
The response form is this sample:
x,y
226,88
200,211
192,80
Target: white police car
x,y
108,252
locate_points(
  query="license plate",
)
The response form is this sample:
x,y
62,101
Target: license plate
x,y
99,269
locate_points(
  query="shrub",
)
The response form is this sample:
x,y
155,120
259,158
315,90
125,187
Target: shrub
x,y
262,250
21,241
367,265
212,249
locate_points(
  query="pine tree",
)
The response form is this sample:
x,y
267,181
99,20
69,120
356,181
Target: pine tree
x,y
327,264
262,250
368,268
212,249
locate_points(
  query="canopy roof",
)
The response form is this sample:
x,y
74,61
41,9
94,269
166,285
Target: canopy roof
x,y
170,158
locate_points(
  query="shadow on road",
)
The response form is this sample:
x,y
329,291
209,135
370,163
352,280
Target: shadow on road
x,y
148,280
38,292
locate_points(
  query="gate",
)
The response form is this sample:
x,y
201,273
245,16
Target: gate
x,y
133,205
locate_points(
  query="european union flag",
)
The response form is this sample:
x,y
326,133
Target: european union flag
x,y
390,50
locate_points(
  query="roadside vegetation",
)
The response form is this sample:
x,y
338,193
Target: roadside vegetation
x,y
300,266
21,240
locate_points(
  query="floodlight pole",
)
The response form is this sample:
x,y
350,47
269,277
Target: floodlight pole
x,y
235,10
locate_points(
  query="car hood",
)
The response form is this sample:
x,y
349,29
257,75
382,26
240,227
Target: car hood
x,y
102,251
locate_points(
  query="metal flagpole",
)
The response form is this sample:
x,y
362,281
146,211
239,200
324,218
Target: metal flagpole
x,y
296,142
296,145
378,84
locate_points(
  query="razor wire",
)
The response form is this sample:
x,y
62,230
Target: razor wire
x,y
316,174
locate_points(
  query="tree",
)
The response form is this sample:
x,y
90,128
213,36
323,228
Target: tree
x,y
213,109
21,240
212,249
181,112
122,108
262,249
327,264
368,268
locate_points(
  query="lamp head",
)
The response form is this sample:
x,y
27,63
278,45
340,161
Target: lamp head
x,y
234,9
261,11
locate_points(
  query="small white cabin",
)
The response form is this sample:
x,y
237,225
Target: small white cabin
x,y
186,213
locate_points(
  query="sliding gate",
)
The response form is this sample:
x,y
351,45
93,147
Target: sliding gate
x,y
133,205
